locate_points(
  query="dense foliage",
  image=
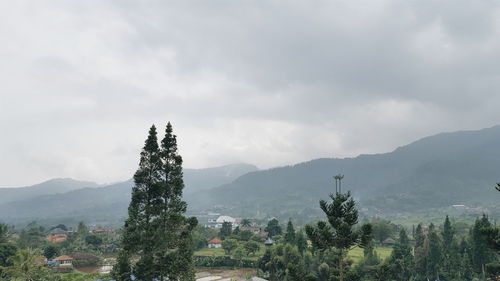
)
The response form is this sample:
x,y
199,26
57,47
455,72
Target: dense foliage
x,y
432,253
156,231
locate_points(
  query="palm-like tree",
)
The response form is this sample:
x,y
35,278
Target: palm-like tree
x,y
338,183
3,233
246,222
26,265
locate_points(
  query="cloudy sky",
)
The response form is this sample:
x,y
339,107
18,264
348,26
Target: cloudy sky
x,y
264,82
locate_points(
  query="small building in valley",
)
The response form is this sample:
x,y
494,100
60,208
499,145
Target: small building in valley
x,y
102,231
64,261
269,242
217,222
388,242
215,243
57,235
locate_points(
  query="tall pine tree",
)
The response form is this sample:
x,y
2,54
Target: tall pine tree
x,y
451,259
434,255
339,233
156,231
402,258
481,253
290,233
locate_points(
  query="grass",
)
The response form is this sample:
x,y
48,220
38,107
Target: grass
x,y
81,276
219,252
356,254
214,252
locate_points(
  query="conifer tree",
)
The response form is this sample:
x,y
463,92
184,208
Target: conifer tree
x,y
82,229
402,258
301,242
467,271
481,253
451,259
434,254
419,236
339,233
156,231
174,230
448,234
421,253
225,230
273,227
138,231
290,233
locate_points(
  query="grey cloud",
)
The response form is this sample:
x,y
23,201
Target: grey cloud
x,y
265,82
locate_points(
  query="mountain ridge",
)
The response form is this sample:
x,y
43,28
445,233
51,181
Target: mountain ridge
x,y
433,172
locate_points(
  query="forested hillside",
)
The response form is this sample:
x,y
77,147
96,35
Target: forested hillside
x,y
432,173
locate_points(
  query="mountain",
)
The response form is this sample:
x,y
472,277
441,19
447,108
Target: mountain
x,y
434,172
106,203
52,186
421,178
196,180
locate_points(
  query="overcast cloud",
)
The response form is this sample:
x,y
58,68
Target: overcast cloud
x,y
263,82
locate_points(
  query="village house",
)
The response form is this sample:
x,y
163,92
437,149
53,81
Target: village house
x,y
269,242
215,243
217,222
256,230
388,242
57,235
102,231
65,261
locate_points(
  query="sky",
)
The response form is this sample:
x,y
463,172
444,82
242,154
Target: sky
x,y
268,83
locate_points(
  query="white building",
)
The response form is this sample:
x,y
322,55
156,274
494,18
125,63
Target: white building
x,y
217,223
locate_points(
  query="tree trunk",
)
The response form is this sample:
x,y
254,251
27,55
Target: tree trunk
x,y
341,265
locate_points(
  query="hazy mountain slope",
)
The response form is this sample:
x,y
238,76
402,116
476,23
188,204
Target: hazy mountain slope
x,y
108,202
202,179
445,169
92,201
434,172
48,187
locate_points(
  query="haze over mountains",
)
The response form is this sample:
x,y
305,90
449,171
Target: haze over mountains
x,y
67,198
48,187
431,173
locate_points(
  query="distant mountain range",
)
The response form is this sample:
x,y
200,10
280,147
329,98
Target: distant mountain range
x,y
48,187
75,200
430,174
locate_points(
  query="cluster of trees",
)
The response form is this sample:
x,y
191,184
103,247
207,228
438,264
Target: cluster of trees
x,y
431,253
239,243
157,236
331,241
23,254
437,254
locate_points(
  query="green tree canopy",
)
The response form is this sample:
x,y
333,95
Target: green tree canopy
x,y
51,251
229,245
252,247
339,233
246,222
4,229
273,228
156,231
225,230
290,233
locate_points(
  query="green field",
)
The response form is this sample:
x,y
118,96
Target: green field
x,y
214,252
218,252
80,276
355,254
